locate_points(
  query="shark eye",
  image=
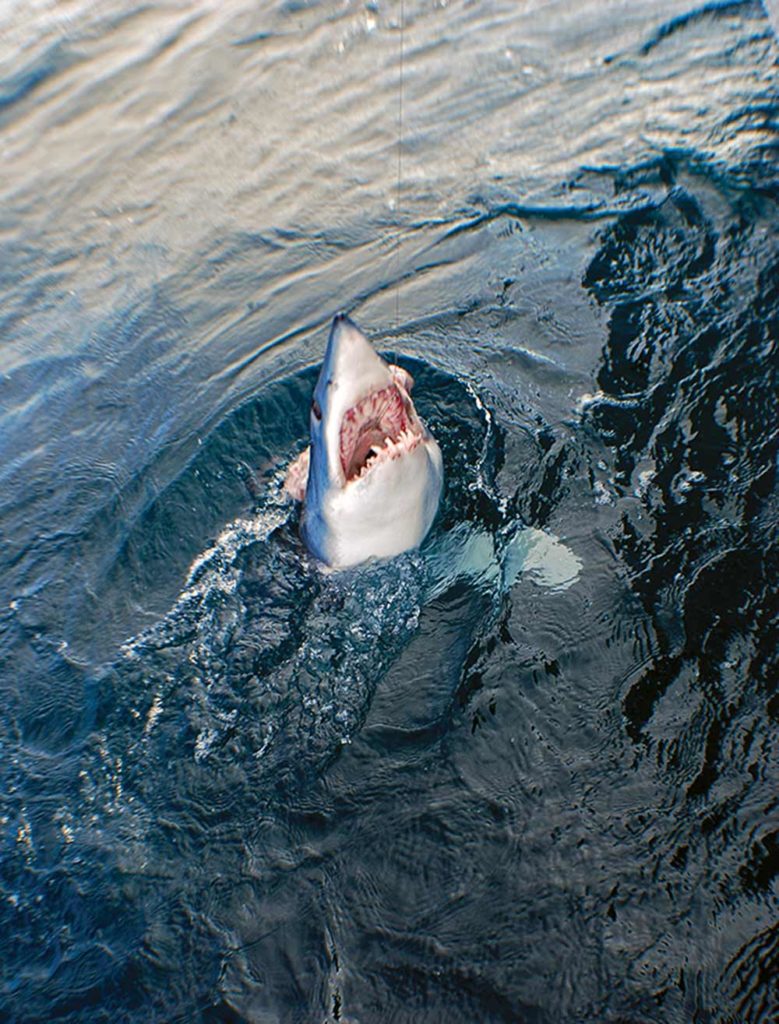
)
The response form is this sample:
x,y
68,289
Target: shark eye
x,y
316,410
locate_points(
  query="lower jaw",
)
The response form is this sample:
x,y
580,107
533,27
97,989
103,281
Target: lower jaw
x,y
380,515
382,460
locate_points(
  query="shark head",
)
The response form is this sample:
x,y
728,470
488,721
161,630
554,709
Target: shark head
x,y
372,478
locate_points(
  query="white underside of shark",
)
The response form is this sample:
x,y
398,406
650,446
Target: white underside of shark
x,y
371,480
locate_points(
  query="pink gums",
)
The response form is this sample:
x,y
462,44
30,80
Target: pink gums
x,y
377,419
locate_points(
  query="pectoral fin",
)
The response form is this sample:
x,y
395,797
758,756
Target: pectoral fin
x,y
297,475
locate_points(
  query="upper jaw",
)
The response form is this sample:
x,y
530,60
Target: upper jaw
x,y
350,369
382,427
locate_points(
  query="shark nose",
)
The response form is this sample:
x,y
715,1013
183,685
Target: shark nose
x,y
342,318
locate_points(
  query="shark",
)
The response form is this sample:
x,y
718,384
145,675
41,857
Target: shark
x,y
371,479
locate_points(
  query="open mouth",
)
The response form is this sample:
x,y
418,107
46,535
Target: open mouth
x,y
381,427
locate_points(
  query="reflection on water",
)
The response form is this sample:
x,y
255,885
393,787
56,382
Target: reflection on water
x,y
527,773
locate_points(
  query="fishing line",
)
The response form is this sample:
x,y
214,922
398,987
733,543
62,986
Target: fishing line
x,y
400,167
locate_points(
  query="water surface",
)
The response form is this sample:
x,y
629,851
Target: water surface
x,y
528,773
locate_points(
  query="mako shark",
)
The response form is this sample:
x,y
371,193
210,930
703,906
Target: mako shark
x,y
370,481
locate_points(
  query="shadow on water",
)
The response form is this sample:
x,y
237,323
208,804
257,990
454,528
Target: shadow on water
x,y
397,786
385,787
229,706
689,407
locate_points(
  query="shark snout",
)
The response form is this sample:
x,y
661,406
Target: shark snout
x,y
351,368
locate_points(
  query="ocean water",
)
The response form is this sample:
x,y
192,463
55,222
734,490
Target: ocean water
x,y
528,773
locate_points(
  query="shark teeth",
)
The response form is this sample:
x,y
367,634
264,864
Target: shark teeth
x,y
382,426
406,441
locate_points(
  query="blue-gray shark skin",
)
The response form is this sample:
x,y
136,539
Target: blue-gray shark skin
x,y
371,480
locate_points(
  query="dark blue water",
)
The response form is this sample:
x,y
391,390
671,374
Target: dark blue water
x,y
528,773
